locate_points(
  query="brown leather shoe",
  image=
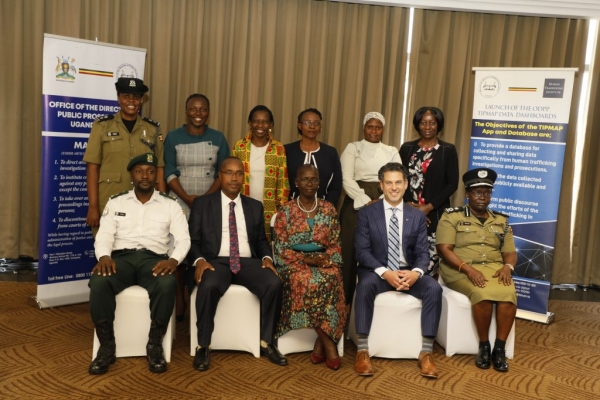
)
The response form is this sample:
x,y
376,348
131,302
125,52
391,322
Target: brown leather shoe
x,y
362,365
427,365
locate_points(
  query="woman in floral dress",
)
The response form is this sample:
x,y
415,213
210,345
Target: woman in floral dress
x,y
309,261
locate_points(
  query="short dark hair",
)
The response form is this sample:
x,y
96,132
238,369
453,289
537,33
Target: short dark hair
x,y
260,107
312,110
197,96
437,114
230,158
392,167
306,167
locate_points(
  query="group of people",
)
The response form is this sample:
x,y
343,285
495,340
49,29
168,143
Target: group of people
x,y
229,208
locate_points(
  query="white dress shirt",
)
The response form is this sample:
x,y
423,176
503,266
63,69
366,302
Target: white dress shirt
x,y
126,223
240,222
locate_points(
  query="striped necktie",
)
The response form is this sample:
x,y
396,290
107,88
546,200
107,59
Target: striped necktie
x,y
394,242
234,249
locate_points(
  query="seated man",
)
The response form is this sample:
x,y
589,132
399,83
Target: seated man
x,y
131,247
392,252
229,246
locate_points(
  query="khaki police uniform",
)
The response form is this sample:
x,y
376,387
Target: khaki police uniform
x,y
480,245
136,237
112,147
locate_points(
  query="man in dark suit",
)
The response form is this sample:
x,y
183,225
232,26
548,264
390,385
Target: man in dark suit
x,y
229,246
393,252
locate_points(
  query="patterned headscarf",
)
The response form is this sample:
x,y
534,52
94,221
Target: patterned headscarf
x,y
371,115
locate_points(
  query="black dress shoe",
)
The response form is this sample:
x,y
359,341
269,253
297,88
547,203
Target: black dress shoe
x,y
273,354
202,359
499,360
102,362
156,358
483,357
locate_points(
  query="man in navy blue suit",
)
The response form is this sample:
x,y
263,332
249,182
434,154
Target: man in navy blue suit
x,y
393,252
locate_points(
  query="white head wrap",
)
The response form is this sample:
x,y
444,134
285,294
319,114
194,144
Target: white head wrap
x,y
371,115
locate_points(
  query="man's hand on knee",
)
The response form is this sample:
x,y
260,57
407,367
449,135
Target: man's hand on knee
x,y
165,267
201,266
105,266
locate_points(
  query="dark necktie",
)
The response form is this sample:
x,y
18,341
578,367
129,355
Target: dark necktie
x,y
234,249
394,242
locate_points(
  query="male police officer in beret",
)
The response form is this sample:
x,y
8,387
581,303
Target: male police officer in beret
x,y
114,141
131,247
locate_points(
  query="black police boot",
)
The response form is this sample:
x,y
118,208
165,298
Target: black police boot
x,y
106,352
154,349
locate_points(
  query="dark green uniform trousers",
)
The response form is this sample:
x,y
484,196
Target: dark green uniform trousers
x,y
133,268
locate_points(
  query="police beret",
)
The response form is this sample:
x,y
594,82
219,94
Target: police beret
x,y
148,159
131,85
479,177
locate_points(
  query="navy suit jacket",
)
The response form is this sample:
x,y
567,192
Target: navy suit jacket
x,y
206,227
371,242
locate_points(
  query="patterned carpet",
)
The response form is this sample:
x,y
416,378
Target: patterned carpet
x,y
45,354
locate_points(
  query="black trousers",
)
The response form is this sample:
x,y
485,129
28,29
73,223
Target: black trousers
x,y
133,268
260,281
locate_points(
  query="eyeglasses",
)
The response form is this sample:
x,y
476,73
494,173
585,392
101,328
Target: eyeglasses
x,y
237,174
311,123
481,193
304,181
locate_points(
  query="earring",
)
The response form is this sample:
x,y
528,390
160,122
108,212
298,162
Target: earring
x,y
270,130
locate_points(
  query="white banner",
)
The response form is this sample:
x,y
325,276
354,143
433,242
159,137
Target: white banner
x,y
78,86
519,129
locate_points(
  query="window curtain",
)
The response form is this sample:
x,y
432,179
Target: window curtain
x,y
344,59
449,44
586,241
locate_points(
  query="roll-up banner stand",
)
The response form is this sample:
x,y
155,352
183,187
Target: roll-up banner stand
x,y
519,129
78,86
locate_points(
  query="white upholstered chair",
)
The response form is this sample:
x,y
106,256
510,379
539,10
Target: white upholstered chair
x,y
237,322
132,324
457,333
396,328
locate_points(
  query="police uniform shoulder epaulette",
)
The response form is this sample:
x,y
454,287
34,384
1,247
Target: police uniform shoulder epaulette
x,y
501,213
107,117
151,121
119,194
453,209
168,196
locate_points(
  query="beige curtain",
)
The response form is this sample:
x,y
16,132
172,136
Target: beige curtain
x,y
586,240
344,59
450,44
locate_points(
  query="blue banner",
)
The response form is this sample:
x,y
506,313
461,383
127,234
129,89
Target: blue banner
x,y
78,87
519,129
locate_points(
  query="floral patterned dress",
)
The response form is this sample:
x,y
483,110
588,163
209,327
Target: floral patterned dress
x,y
312,296
417,167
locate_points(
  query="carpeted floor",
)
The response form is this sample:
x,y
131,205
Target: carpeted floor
x,y
46,353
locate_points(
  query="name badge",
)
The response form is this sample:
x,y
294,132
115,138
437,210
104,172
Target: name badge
x,y
464,223
110,134
120,214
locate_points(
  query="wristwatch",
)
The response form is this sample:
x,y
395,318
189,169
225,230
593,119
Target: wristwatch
x,y
419,273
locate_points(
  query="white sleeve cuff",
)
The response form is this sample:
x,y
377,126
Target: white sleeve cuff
x,y
379,271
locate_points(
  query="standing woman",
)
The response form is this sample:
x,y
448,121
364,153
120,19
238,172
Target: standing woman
x,y
308,150
308,259
265,164
193,155
433,172
361,162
